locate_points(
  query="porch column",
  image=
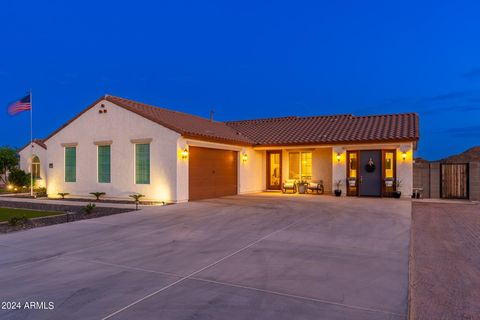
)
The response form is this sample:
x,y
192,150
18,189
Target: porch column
x,y
339,168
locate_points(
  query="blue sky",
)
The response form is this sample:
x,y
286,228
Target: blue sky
x,y
247,59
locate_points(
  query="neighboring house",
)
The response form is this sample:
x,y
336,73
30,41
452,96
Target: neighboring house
x,y
121,147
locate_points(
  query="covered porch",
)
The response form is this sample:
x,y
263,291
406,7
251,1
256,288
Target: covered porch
x,y
376,170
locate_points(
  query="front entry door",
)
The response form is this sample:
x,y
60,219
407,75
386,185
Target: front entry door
x,y
370,173
274,170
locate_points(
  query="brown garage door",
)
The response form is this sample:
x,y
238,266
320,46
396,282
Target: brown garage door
x,y
212,173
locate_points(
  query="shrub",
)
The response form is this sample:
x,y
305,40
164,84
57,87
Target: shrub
x,y
89,208
98,194
40,192
19,178
63,194
17,221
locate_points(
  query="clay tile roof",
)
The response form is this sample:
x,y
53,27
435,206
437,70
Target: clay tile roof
x,y
39,142
185,124
330,129
291,130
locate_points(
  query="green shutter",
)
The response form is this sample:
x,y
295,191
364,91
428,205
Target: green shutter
x,y
70,164
104,164
142,163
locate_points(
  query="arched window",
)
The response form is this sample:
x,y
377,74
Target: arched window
x,y
36,167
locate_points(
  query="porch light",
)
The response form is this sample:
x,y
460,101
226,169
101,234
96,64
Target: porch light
x,y
244,157
185,153
404,155
339,157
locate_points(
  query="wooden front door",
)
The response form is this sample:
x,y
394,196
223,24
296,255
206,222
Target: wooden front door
x,y
212,173
274,170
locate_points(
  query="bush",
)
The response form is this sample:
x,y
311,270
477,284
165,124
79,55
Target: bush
x,y
89,208
17,221
40,192
98,194
19,178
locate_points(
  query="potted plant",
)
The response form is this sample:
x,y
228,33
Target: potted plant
x,y
397,193
338,191
352,181
388,182
302,186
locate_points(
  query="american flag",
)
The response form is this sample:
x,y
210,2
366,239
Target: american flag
x,y
18,106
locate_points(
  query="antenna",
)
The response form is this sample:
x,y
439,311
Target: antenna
x,y
212,113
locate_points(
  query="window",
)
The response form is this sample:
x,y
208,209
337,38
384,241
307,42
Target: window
x,y
70,164
389,156
352,164
104,164
142,163
300,165
36,167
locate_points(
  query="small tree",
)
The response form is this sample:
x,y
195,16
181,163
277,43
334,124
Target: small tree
x,y
8,161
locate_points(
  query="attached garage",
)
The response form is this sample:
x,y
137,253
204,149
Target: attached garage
x,y
212,173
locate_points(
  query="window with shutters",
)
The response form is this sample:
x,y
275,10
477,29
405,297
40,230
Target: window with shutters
x,y
70,164
142,163
104,155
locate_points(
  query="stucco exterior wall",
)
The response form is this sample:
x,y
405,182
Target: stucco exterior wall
x,y
322,167
26,160
118,126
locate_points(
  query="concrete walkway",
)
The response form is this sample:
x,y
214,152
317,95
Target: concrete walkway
x,y
243,257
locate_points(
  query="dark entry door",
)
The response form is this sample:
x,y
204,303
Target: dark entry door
x,y
370,173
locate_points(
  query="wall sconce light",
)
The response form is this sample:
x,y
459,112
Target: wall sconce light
x,y
244,157
185,153
404,155
339,157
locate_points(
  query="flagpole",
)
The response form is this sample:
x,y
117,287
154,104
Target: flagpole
x,y
31,144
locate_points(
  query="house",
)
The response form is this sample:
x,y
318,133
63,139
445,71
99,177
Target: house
x,y
120,147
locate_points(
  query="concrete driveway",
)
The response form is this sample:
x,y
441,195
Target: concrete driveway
x,y
244,257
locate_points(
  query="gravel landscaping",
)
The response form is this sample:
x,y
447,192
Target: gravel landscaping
x,y
445,261
75,212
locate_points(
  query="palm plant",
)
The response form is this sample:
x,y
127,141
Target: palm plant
x,y
98,194
63,194
136,198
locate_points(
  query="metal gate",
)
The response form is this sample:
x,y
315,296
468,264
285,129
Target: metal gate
x,y
454,180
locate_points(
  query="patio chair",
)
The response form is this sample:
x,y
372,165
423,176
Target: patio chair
x,y
289,184
316,186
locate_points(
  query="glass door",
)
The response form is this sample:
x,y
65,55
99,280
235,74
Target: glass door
x,y
389,172
274,170
352,173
